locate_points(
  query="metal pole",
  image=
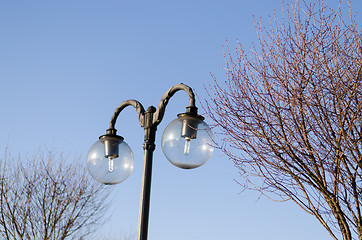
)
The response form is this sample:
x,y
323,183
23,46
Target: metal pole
x,y
149,147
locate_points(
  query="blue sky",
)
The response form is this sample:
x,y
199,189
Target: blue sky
x,y
66,65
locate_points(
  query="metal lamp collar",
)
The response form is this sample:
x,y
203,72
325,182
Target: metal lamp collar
x,y
111,133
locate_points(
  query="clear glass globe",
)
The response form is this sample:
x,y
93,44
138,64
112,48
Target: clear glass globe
x,y
187,141
108,168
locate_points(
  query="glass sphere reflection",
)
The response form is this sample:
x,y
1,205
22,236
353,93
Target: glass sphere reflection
x,y
108,168
187,141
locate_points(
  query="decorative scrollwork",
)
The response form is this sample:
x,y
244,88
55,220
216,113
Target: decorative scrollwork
x,y
158,116
136,104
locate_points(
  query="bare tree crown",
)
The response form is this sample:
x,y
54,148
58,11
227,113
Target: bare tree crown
x,y
46,197
290,113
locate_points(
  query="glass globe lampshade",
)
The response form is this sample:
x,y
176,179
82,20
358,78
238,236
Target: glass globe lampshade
x,y
187,141
110,160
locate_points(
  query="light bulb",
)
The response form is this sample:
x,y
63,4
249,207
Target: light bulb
x,y
187,146
110,164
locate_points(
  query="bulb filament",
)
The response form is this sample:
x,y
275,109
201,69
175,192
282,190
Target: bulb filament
x,y
187,146
110,164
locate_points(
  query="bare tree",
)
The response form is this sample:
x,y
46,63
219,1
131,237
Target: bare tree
x,y
290,113
46,197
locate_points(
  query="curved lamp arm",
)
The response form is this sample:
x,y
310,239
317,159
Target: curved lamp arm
x,y
158,115
136,104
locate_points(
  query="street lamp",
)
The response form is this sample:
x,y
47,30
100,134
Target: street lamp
x,y
186,142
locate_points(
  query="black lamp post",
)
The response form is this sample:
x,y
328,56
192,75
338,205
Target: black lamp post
x,y
186,142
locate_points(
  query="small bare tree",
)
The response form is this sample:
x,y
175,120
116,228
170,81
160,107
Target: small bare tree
x,y
46,197
290,113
